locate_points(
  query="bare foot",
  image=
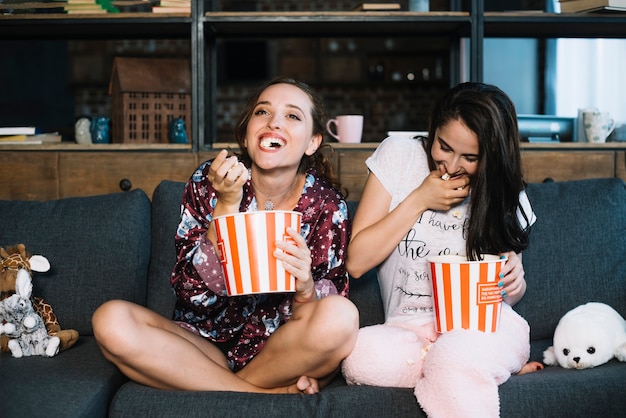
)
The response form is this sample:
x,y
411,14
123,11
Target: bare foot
x,y
305,385
530,367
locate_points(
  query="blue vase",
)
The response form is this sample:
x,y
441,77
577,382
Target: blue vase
x,y
177,134
100,130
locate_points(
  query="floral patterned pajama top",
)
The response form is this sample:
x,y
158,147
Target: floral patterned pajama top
x,y
244,323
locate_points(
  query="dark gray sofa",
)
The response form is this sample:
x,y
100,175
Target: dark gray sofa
x,y
121,246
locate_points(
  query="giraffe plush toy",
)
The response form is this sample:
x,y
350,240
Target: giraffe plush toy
x,y
12,260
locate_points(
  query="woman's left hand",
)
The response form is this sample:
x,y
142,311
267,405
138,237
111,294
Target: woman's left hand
x,y
296,258
512,280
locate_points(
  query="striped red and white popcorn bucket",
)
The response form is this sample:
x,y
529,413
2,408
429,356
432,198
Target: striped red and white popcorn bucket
x,y
246,243
466,293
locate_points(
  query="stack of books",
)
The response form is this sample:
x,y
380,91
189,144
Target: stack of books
x,y
26,135
87,6
374,7
576,6
173,6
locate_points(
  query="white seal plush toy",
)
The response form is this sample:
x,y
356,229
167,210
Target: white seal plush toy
x,y
587,336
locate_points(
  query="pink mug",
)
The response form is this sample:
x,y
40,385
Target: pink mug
x,y
349,128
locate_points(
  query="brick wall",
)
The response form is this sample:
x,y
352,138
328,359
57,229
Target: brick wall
x,y
345,71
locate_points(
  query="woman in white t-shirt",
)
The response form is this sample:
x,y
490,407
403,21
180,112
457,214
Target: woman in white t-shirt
x,y
460,191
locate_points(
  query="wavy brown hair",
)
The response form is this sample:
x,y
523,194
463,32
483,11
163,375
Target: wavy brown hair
x,y
487,111
318,159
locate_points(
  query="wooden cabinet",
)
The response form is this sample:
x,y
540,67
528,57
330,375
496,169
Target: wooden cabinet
x,y
29,175
573,161
53,175
353,171
620,165
84,174
539,166
42,175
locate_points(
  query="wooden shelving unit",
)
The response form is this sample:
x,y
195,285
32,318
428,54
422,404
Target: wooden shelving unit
x,y
50,166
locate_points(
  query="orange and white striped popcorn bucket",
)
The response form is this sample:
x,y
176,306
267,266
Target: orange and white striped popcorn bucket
x,y
246,243
466,293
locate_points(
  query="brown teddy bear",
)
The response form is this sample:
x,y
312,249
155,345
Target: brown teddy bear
x,y
12,260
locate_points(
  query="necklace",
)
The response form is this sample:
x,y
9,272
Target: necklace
x,y
269,203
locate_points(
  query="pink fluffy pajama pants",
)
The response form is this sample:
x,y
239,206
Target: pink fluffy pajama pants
x,y
457,376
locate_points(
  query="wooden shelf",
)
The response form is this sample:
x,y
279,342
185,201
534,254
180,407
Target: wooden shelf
x,y
525,146
355,24
554,25
336,145
95,26
573,146
95,147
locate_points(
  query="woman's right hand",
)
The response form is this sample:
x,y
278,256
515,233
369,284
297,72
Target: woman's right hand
x,y
438,194
296,257
228,175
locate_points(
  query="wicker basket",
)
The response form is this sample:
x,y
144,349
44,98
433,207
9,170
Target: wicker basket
x,y
147,93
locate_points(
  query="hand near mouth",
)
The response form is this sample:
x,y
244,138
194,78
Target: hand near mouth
x,y
447,176
438,194
228,175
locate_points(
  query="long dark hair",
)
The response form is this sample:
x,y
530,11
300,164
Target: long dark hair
x,y
318,159
494,226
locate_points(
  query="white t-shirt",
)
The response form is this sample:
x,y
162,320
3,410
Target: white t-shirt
x,y
401,165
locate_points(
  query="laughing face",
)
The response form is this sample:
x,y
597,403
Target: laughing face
x,y
456,149
280,128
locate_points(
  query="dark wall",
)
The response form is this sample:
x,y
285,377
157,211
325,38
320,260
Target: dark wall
x,y
34,87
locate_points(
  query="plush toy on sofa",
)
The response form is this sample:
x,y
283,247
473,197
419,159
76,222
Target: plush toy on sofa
x,y
24,327
12,260
588,336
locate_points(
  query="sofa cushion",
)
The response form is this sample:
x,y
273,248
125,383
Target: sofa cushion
x,y
134,400
78,382
576,251
166,205
566,393
98,248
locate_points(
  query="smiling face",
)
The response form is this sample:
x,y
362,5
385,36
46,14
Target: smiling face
x,y
280,128
456,149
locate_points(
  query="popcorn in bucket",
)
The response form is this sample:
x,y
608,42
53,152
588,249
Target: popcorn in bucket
x,y
466,293
246,242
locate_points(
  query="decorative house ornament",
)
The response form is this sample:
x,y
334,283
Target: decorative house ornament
x,y
147,94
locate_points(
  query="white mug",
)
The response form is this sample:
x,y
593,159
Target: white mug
x,y
580,134
349,128
598,126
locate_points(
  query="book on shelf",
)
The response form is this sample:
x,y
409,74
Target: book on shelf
x,y
161,9
46,138
103,3
175,3
173,6
17,130
364,7
65,6
574,6
89,6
